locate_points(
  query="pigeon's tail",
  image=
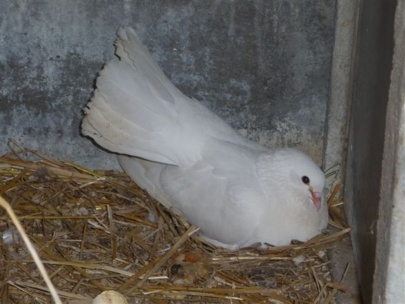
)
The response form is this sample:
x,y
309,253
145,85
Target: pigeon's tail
x,y
133,110
137,111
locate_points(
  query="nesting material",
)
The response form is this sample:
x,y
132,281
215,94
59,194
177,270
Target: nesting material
x,y
98,231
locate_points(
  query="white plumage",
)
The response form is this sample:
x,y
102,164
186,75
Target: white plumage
x,y
237,191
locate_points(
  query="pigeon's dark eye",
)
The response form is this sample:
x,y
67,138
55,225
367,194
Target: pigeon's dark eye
x,y
305,180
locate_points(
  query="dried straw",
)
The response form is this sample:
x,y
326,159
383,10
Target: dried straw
x,y
97,231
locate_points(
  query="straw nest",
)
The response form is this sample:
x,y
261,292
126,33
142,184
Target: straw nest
x,y
97,231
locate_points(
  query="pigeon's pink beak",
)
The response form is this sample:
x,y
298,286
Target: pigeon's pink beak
x,y
316,198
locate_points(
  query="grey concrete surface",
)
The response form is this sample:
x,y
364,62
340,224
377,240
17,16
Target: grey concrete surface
x,y
336,135
262,65
371,84
340,91
389,274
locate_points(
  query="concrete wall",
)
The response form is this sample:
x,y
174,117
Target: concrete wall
x,y
371,84
262,65
335,153
389,276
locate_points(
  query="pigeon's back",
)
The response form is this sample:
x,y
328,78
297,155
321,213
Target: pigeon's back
x,y
137,111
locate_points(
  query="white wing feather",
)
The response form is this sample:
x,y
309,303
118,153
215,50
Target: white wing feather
x,y
211,193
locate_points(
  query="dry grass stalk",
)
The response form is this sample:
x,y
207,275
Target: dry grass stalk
x,y
94,232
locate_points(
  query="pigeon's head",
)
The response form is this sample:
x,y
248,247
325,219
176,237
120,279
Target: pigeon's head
x,y
305,176
297,174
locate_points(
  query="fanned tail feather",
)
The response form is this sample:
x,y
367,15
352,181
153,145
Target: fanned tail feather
x,y
137,111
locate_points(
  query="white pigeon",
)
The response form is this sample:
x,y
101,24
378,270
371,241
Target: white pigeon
x,y
189,159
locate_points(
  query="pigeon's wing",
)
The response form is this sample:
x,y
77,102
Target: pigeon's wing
x,y
220,194
146,174
226,209
137,111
